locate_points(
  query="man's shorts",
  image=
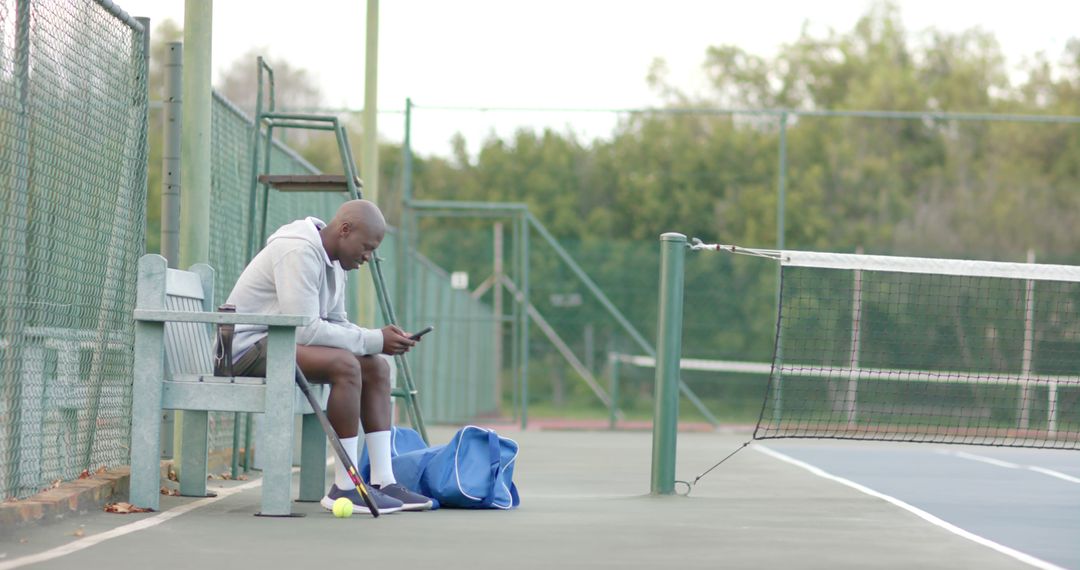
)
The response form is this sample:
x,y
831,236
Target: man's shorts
x,y
251,363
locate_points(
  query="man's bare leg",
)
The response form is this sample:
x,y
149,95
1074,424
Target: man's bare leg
x,y
359,384
341,369
375,395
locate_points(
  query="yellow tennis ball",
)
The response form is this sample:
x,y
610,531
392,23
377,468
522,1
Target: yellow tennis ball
x,y
343,508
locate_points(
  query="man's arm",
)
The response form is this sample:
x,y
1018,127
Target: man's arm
x,y
297,276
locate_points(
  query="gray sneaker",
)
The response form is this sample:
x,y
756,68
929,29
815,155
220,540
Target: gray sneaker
x,y
385,503
410,501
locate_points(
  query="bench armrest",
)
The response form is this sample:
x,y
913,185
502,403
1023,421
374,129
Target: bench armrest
x,y
222,318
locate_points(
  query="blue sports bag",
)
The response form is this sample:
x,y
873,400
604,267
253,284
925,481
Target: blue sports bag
x,y
475,470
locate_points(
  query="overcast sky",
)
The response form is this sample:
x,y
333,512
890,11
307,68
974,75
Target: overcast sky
x,y
558,53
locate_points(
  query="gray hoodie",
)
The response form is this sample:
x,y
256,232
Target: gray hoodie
x,y
293,275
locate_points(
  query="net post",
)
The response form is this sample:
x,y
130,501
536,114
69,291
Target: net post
x,y
668,353
613,389
1024,412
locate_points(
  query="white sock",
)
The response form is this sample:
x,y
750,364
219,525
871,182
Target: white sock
x,y
378,448
341,476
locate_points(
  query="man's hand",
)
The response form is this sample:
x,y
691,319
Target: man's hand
x,y
396,341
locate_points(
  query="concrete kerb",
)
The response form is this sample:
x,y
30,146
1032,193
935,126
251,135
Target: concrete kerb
x,y
66,500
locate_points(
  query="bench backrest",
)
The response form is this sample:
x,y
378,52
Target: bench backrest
x,y
188,346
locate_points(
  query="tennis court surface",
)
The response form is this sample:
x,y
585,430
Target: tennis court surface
x,y
585,504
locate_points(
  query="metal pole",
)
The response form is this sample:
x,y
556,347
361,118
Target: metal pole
x,y
781,197
668,355
781,183
613,369
195,165
515,322
14,314
497,292
369,161
1029,345
407,159
405,268
252,246
170,183
524,322
195,158
856,341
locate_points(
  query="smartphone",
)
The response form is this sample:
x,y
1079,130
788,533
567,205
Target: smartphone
x,y
422,332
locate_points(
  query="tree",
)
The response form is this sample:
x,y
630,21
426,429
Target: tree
x,y
294,87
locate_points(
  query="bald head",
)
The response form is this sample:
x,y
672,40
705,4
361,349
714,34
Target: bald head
x,y
353,234
360,213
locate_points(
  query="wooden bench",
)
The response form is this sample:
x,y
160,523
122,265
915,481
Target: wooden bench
x,y
174,330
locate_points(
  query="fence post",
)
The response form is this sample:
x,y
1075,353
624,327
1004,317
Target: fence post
x,y
170,191
668,354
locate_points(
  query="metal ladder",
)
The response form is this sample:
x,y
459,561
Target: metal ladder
x,y
349,183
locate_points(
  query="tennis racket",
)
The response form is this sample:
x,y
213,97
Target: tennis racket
x,y
339,449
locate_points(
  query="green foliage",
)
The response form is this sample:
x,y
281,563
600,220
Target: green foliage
x,y
918,187
924,186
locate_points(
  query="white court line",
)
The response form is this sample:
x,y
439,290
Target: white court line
x,y
1010,465
1053,473
979,458
119,531
1022,557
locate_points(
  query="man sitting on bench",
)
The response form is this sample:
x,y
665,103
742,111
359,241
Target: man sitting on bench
x,y
301,271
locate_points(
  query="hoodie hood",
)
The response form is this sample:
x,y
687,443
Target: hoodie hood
x,y
306,230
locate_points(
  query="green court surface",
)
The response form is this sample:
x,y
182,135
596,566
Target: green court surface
x,y
584,505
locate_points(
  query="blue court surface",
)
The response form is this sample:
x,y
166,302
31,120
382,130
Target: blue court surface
x,y
1023,501
585,504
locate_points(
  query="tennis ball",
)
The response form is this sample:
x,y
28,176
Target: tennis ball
x,y
343,508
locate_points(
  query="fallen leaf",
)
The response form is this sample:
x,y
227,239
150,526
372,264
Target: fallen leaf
x,y
242,478
226,476
23,540
124,508
172,476
79,532
170,492
57,483
85,474
101,470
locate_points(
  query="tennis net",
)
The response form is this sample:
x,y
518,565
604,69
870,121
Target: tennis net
x,y
923,350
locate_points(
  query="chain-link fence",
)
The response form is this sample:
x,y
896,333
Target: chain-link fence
x,y
452,370
73,176
73,151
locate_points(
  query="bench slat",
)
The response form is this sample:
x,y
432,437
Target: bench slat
x,y
216,318
183,284
185,394
187,344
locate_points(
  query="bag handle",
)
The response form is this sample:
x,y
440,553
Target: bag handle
x,y
493,457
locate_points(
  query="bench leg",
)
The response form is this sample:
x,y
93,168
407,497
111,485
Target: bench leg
x,y
312,460
279,421
193,451
145,483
